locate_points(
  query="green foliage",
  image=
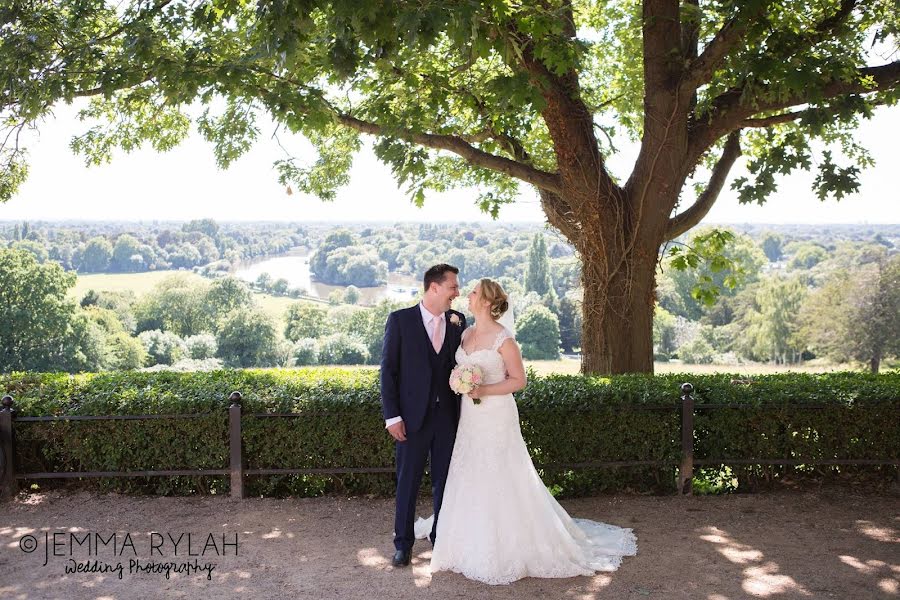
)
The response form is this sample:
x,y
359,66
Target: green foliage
x,y
264,282
856,315
38,330
226,294
306,352
663,330
771,325
305,320
249,338
337,239
207,227
127,256
816,417
180,305
342,260
126,352
537,332
570,322
342,349
280,286
481,95
373,334
96,256
712,263
537,276
39,251
201,346
772,246
351,294
437,68
163,347
696,352
807,255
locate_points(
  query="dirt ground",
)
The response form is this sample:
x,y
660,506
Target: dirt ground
x,y
824,544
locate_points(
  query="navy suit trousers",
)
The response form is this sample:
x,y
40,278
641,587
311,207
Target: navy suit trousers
x,y
435,441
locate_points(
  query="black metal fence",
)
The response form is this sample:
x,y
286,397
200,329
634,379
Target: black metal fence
x,y
9,477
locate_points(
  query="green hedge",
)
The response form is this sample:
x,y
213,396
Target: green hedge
x,y
565,420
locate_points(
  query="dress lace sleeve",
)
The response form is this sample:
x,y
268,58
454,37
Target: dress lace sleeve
x,y
504,335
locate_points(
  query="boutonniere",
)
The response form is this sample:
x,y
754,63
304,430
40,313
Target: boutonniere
x,y
454,318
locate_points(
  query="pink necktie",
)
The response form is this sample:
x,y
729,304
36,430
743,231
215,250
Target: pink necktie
x,y
436,339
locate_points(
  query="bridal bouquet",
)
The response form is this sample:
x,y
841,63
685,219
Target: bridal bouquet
x,y
465,378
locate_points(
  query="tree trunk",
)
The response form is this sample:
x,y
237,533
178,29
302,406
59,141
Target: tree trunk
x,y
617,332
875,363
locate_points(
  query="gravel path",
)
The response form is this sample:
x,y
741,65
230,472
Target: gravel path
x,y
827,544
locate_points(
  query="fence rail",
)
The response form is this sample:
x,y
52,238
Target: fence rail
x,y
9,477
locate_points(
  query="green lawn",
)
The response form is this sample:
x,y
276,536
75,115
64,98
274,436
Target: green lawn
x,y
568,366
141,283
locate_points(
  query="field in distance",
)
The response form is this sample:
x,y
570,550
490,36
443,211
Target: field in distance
x,y
142,283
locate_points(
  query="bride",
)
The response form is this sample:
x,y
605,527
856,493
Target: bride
x,y
498,523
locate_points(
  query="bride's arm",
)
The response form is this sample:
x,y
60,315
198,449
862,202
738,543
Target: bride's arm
x,y
516,380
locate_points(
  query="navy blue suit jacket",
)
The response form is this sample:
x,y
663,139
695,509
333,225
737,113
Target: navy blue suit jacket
x,y
406,370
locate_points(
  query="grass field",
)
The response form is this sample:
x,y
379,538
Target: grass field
x,y
139,283
569,366
142,283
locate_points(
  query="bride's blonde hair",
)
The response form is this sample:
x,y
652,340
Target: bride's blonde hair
x,y
493,293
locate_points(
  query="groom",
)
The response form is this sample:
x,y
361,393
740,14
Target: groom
x,y
421,412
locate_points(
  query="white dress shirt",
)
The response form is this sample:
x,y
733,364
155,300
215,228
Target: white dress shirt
x,y
430,321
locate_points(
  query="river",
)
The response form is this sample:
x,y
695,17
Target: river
x,y
294,267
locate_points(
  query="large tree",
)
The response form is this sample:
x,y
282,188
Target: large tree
x,y
488,94
39,328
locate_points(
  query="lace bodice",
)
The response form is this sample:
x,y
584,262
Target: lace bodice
x,y
489,359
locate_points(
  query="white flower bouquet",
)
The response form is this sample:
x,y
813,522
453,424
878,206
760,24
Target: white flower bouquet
x,y
465,378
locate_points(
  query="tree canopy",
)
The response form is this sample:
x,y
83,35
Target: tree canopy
x,y
486,94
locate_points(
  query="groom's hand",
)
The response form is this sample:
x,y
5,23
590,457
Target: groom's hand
x,y
398,431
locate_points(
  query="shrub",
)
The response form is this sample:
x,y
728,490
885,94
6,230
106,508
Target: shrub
x,y
537,331
201,346
306,352
565,420
342,349
163,347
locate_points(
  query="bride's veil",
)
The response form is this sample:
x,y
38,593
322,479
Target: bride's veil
x,y
508,320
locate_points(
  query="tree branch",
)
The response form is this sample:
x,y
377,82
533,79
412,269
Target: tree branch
x,y
777,119
526,173
568,119
732,111
686,220
701,69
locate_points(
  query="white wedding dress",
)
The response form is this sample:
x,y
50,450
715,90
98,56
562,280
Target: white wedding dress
x,y
498,523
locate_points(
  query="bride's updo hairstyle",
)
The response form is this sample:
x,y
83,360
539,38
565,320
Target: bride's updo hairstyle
x,y
493,293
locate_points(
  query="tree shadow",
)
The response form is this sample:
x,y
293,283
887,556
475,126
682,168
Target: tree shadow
x,y
860,561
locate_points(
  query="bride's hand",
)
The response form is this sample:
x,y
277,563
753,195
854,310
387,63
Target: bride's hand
x,y
475,393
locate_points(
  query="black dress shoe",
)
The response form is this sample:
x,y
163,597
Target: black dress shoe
x,y
401,558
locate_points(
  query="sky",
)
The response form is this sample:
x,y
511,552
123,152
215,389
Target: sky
x,y
185,183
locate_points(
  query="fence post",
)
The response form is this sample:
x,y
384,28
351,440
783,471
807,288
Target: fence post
x,y
7,472
236,458
686,472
